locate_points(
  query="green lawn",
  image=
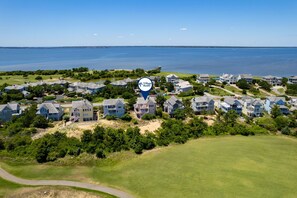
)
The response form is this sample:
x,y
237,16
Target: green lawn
x,y
7,187
257,166
179,74
218,92
233,89
13,80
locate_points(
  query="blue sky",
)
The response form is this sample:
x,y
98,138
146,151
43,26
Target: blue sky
x,y
148,22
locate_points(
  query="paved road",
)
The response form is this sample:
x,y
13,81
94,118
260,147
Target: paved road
x,y
5,175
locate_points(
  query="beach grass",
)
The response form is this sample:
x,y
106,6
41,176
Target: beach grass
x,y
228,166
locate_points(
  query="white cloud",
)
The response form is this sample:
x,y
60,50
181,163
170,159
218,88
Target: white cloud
x,y
131,34
120,36
183,29
95,34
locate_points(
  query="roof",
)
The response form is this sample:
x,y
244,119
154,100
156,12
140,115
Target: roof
x,y
4,106
246,76
293,77
172,76
275,98
113,101
204,76
173,100
270,77
81,103
141,100
14,87
231,101
202,99
51,107
14,106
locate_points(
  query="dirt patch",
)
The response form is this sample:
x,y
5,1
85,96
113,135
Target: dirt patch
x,y
150,126
70,129
50,192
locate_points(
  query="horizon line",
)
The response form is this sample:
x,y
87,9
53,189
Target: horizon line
x,y
181,46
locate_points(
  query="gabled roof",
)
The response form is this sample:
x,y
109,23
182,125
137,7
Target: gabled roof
x,y
172,76
275,98
51,107
113,101
2,107
202,99
173,100
81,103
141,100
14,106
231,101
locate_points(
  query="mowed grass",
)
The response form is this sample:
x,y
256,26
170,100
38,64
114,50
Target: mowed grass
x,y
17,80
257,166
7,187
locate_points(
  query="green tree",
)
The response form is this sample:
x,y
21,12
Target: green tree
x,y
179,114
38,78
42,152
230,117
169,86
160,100
40,122
282,122
243,84
275,111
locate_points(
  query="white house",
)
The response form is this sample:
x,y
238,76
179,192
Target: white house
x,y
82,111
247,77
114,107
172,78
143,107
292,80
273,80
203,78
254,107
228,78
183,86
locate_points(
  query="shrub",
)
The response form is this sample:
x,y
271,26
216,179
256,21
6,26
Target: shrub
x,y
126,117
282,122
2,147
100,153
38,78
111,117
148,116
40,122
286,131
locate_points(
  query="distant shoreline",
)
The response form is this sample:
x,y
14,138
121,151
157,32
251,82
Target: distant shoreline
x,y
148,46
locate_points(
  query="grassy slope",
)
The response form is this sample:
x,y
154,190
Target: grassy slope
x,y
261,166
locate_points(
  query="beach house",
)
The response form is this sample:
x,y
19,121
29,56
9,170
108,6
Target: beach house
x,y
273,80
143,107
114,107
279,101
203,78
202,104
231,103
50,110
82,111
172,104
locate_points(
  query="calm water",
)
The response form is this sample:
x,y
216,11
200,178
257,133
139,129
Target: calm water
x,y
257,61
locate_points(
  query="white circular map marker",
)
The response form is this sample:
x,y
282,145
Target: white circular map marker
x,y
145,85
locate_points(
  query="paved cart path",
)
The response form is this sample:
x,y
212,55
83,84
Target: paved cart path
x,y
7,176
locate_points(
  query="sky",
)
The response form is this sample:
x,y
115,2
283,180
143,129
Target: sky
x,y
47,23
